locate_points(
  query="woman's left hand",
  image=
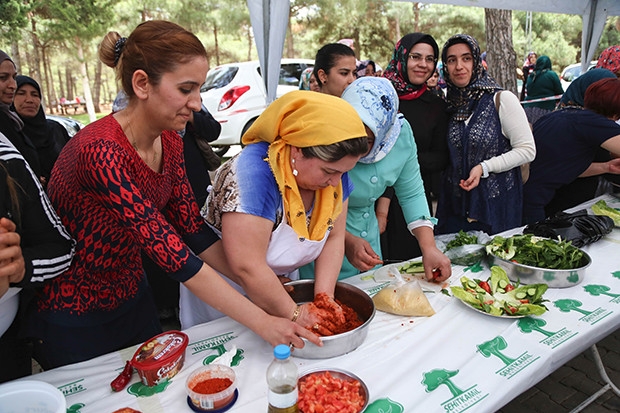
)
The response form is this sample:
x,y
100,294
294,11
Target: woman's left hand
x,y
473,180
12,264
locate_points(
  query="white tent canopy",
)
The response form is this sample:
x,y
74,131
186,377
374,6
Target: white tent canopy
x,y
270,19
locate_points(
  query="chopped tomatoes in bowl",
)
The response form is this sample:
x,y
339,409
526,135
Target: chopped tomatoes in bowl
x,y
331,391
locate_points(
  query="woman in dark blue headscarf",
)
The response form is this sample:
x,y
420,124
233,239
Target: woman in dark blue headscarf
x,y
489,138
576,92
585,188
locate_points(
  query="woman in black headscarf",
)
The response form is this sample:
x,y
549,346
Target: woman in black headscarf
x,y
413,62
10,123
47,136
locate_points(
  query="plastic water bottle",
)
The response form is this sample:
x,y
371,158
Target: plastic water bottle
x,y
282,382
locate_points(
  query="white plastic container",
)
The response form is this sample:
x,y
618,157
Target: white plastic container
x,y
31,396
211,401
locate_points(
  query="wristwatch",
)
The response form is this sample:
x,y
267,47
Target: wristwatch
x,y
485,170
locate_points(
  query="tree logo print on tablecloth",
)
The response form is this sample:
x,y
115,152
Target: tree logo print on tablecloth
x,y
236,359
529,325
597,290
477,267
461,400
75,408
567,305
140,389
512,366
616,274
385,405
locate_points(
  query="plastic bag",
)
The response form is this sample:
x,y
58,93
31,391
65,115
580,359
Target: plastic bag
x,y
468,254
403,298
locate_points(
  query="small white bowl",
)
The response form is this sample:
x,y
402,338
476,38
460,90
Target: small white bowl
x,y
31,396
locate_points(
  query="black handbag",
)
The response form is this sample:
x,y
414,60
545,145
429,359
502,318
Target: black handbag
x,y
578,227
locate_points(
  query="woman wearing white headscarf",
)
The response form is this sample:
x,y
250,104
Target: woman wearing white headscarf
x,y
392,161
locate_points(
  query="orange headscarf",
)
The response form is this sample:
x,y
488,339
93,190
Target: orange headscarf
x,y
303,119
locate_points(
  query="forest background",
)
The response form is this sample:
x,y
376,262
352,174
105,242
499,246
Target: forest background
x,y
56,41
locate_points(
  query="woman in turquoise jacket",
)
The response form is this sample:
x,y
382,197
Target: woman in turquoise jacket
x,y
391,161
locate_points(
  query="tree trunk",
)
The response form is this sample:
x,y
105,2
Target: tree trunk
x,y
397,31
249,33
501,56
61,85
49,81
217,45
35,65
15,56
97,86
70,85
290,49
416,17
85,86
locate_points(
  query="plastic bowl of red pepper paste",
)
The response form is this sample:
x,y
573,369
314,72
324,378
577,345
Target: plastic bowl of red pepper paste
x,y
212,388
161,357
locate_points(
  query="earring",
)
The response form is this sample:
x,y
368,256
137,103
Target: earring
x,y
295,171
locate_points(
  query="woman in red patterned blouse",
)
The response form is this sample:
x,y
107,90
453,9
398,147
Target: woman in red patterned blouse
x,y
120,188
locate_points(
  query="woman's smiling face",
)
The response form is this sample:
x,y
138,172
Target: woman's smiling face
x,y
7,82
420,63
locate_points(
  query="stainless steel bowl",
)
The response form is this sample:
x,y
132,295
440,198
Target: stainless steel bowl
x,y
526,274
342,375
339,344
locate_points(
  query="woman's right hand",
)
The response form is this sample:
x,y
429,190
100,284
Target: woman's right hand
x,y
283,331
360,254
323,316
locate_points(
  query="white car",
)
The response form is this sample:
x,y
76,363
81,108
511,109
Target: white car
x,y
71,125
235,94
572,72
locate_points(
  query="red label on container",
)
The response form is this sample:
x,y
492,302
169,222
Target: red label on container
x,y
160,357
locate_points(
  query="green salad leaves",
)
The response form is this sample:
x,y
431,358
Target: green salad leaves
x,y
461,238
536,251
601,208
499,297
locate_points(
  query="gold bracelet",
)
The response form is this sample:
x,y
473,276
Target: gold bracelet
x,y
296,313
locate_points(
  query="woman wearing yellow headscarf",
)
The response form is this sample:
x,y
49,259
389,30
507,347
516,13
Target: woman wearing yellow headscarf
x,y
281,202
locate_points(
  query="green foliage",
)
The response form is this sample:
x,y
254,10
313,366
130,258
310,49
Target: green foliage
x,y
12,18
12,13
84,19
225,29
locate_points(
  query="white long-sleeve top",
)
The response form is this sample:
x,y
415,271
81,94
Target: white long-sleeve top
x,y
516,128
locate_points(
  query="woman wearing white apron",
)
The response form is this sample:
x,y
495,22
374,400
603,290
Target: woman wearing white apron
x,y
281,202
